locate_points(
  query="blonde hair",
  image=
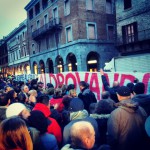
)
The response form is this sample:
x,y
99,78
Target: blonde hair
x,y
32,92
14,134
71,92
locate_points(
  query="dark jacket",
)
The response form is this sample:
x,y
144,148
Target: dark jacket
x,y
111,90
2,113
144,101
126,126
88,97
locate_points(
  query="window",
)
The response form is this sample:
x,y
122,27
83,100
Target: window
x,y
46,19
68,34
44,3
127,4
109,9
23,35
67,7
110,32
30,14
129,33
47,42
37,8
89,4
91,31
55,12
33,49
38,24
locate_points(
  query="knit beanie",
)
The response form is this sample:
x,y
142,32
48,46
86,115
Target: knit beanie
x,y
76,104
14,109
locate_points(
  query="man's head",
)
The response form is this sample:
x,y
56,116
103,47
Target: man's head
x,y
115,84
4,100
123,93
25,89
83,85
82,135
105,95
44,99
139,88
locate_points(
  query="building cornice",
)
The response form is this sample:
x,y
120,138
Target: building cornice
x,y
30,4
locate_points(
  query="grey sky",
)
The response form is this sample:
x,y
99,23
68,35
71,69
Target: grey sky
x,y
12,13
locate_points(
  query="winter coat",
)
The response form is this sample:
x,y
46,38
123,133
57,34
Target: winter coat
x,y
2,113
75,117
144,101
111,90
53,128
88,97
126,126
57,101
102,126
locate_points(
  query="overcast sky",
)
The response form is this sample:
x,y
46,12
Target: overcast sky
x,y
12,13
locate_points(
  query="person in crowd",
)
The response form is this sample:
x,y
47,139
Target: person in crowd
x,y
92,108
56,101
70,87
4,103
14,135
12,95
7,88
72,93
32,97
125,127
78,113
24,93
43,106
105,95
49,90
140,97
102,112
86,95
111,90
82,136
40,88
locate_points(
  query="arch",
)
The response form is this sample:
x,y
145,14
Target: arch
x,y
50,65
42,66
71,62
35,67
93,61
59,64
27,68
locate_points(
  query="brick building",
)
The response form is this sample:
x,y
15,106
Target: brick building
x,y
133,26
70,35
18,54
3,57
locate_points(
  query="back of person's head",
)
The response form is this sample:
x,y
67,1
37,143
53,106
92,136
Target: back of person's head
x,y
136,80
105,106
32,92
115,84
38,121
33,81
82,135
44,99
139,88
21,98
50,85
70,86
130,86
105,95
10,94
83,84
58,92
4,100
66,101
14,135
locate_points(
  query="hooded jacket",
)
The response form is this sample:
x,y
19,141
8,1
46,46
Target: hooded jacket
x,y
126,126
144,101
53,127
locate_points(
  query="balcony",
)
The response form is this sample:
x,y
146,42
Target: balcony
x,y
143,35
51,26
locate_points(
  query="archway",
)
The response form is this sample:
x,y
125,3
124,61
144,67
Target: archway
x,y
35,68
50,66
60,64
42,66
93,62
27,69
72,62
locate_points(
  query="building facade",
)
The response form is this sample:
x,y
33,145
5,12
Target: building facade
x,y
18,53
70,35
3,57
133,26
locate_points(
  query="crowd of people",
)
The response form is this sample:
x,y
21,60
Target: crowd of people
x,y
37,118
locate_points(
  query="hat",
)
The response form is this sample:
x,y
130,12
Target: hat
x,y
139,88
14,109
147,126
38,121
124,91
76,104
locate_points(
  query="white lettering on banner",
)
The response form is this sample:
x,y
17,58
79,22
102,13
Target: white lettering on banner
x,y
94,79
25,77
